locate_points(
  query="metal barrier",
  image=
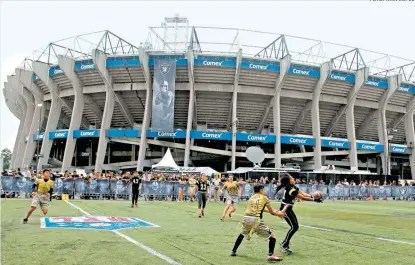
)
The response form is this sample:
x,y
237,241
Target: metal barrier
x,y
154,190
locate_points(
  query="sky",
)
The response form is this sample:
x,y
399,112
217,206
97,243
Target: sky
x,y
25,26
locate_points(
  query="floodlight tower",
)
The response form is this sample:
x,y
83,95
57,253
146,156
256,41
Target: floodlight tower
x,y
176,32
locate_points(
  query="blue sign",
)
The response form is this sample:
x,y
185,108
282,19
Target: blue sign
x,y
262,138
84,66
343,77
115,133
335,143
407,88
304,71
34,77
55,71
181,62
176,134
260,66
215,63
369,146
297,140
131,133
377,83
85,133
108,223
58,135
112,63
38,137
399,149
227,136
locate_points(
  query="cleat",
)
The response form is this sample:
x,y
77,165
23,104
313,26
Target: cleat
x,y
274,258
25,221
200,216
286,250
233,253
132,206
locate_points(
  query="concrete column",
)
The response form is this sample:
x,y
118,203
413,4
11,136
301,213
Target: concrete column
x,y
234,108
361,78
410,134
38,114
30,108
147,111
68,67
284,66
393,84
190,112
325,71
42,71
100,61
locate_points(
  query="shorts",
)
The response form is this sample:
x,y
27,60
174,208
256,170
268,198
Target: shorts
x,y
42,200
231,199
252,224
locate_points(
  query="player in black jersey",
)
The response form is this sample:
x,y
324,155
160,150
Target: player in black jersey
x,y
291,194
202,194
135,186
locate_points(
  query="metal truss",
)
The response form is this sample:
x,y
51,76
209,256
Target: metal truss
x,y
275,50
407,71
112,44
194,41
350,61
50,54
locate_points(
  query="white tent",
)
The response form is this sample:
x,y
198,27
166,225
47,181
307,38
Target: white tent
x,y
166,163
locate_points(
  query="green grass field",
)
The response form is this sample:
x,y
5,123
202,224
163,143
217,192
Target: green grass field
x,y
350,235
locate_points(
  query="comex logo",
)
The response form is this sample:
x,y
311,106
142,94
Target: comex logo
x,y
167,134
301,72
210,63
405,89
87,66
59,71
87,133
398,149
258,66
298,141
368,147
212,135
336,144
60,134
257,138
338,77
372,83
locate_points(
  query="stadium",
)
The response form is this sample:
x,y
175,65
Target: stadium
x,y
88,102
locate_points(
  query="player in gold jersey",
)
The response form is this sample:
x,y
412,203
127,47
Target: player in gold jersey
x,y
253,223
41,197
232,196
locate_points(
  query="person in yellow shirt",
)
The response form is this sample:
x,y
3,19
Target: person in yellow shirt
x,y
192,188
41,197
232,196
253,223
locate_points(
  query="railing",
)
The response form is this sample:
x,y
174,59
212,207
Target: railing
x,y
79,188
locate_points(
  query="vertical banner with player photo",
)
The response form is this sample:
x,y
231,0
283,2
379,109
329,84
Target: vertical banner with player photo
x,y
162,119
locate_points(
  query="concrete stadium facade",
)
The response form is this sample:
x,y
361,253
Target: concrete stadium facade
x,y
306,111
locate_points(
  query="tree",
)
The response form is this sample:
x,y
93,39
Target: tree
x,y
7,156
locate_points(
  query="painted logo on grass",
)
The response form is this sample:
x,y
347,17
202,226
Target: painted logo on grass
x,y
94,222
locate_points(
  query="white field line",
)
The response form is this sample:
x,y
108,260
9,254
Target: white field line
x,y
141,245
395,241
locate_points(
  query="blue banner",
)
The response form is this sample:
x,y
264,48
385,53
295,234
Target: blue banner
x,y
227,136
16,184
85,133
55,71
260,66
82,66
58,135
343,77
262,138
407,88
335,143
176,134
181,62
369,146
297,140
34,77
215,63
377,83
304,71
115,133
113,63
132,133
399,149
